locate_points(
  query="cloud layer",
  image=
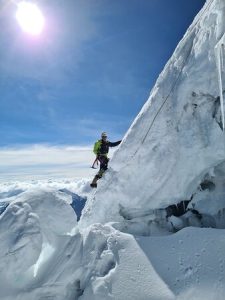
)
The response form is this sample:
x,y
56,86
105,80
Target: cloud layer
x,y
41,161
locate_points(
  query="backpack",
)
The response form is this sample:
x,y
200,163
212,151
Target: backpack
x,y
97,147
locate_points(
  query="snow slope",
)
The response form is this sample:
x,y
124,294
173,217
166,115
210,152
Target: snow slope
x,y
177,140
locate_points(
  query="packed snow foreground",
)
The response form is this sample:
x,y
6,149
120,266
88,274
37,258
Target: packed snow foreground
x,y
154,229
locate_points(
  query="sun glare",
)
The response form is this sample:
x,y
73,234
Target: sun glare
x,y
30,18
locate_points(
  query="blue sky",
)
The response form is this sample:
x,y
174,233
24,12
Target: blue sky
x,y
91,70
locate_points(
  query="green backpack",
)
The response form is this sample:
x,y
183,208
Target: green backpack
x,y
97,147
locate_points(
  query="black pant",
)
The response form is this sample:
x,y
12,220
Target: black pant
x,y
103,165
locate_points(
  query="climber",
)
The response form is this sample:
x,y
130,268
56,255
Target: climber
x,y
101,149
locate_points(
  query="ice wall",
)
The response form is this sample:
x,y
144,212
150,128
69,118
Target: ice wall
x,y
219,52
178,135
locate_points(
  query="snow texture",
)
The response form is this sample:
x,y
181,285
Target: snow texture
x,y
44,256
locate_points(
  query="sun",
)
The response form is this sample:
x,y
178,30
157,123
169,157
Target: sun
x,y
30,18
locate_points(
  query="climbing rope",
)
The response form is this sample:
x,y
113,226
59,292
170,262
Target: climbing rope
x,y
175,82
167,97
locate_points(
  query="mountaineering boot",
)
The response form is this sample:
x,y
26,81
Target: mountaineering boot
x,y
94,182
93,185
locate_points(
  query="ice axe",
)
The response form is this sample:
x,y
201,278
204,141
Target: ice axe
x,y
95,162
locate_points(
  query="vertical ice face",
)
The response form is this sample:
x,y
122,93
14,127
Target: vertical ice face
x,y
220,53
178,135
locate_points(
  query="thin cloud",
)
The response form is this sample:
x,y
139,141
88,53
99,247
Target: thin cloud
x,y
41,161
42,154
